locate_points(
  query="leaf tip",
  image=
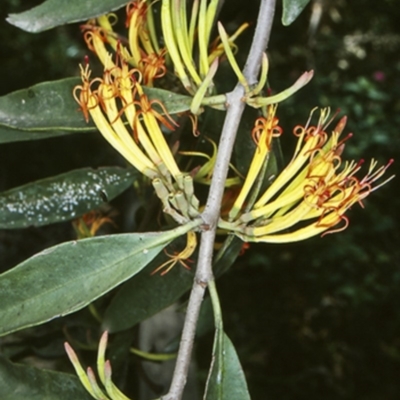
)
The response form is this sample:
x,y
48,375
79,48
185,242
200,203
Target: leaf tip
x,y
21,23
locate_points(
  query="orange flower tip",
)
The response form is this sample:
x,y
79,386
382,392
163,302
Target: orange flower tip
x,y
342,122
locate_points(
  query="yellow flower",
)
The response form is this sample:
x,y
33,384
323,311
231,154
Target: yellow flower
x,y
182,257
129,121
312,193
126,118
181,32
140,49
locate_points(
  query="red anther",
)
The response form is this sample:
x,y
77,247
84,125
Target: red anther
x,y
361,162
86,59
389,163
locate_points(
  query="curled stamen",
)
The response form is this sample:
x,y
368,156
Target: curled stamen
x,y
181,257
146,107
336,230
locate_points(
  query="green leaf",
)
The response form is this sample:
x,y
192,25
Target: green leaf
x,y
48,109
292,9
174,103
21,382
227,255
8,135
42,108
62,197
144,295
53,13
226,380
67,277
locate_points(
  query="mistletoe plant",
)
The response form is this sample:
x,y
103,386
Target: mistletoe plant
x,y
160,78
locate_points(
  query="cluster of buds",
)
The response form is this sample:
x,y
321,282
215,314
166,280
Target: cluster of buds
x,y
180,32
312,193
88,378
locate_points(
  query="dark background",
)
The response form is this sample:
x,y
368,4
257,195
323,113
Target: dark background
x,y
318,319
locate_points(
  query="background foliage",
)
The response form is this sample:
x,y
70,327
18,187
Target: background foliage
x,y
308,320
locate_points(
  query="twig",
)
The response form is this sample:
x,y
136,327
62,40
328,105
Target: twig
x,y
211,212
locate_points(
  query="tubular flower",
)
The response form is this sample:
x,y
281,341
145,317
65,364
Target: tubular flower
x,y
311,195
118,84
180,31
140,49
130,122
181,257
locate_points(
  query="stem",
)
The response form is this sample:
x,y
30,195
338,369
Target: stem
x,y
212,289
210,216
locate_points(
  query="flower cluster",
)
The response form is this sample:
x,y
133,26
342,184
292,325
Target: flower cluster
x,y
140,50
131,123
309,197
183,36
312,193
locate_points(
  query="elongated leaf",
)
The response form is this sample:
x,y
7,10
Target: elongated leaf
x,y
174,103
53,13
67,277
8,135
48,109
22,382
292,9
62,197
145,295
226,380
47,106
227,255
